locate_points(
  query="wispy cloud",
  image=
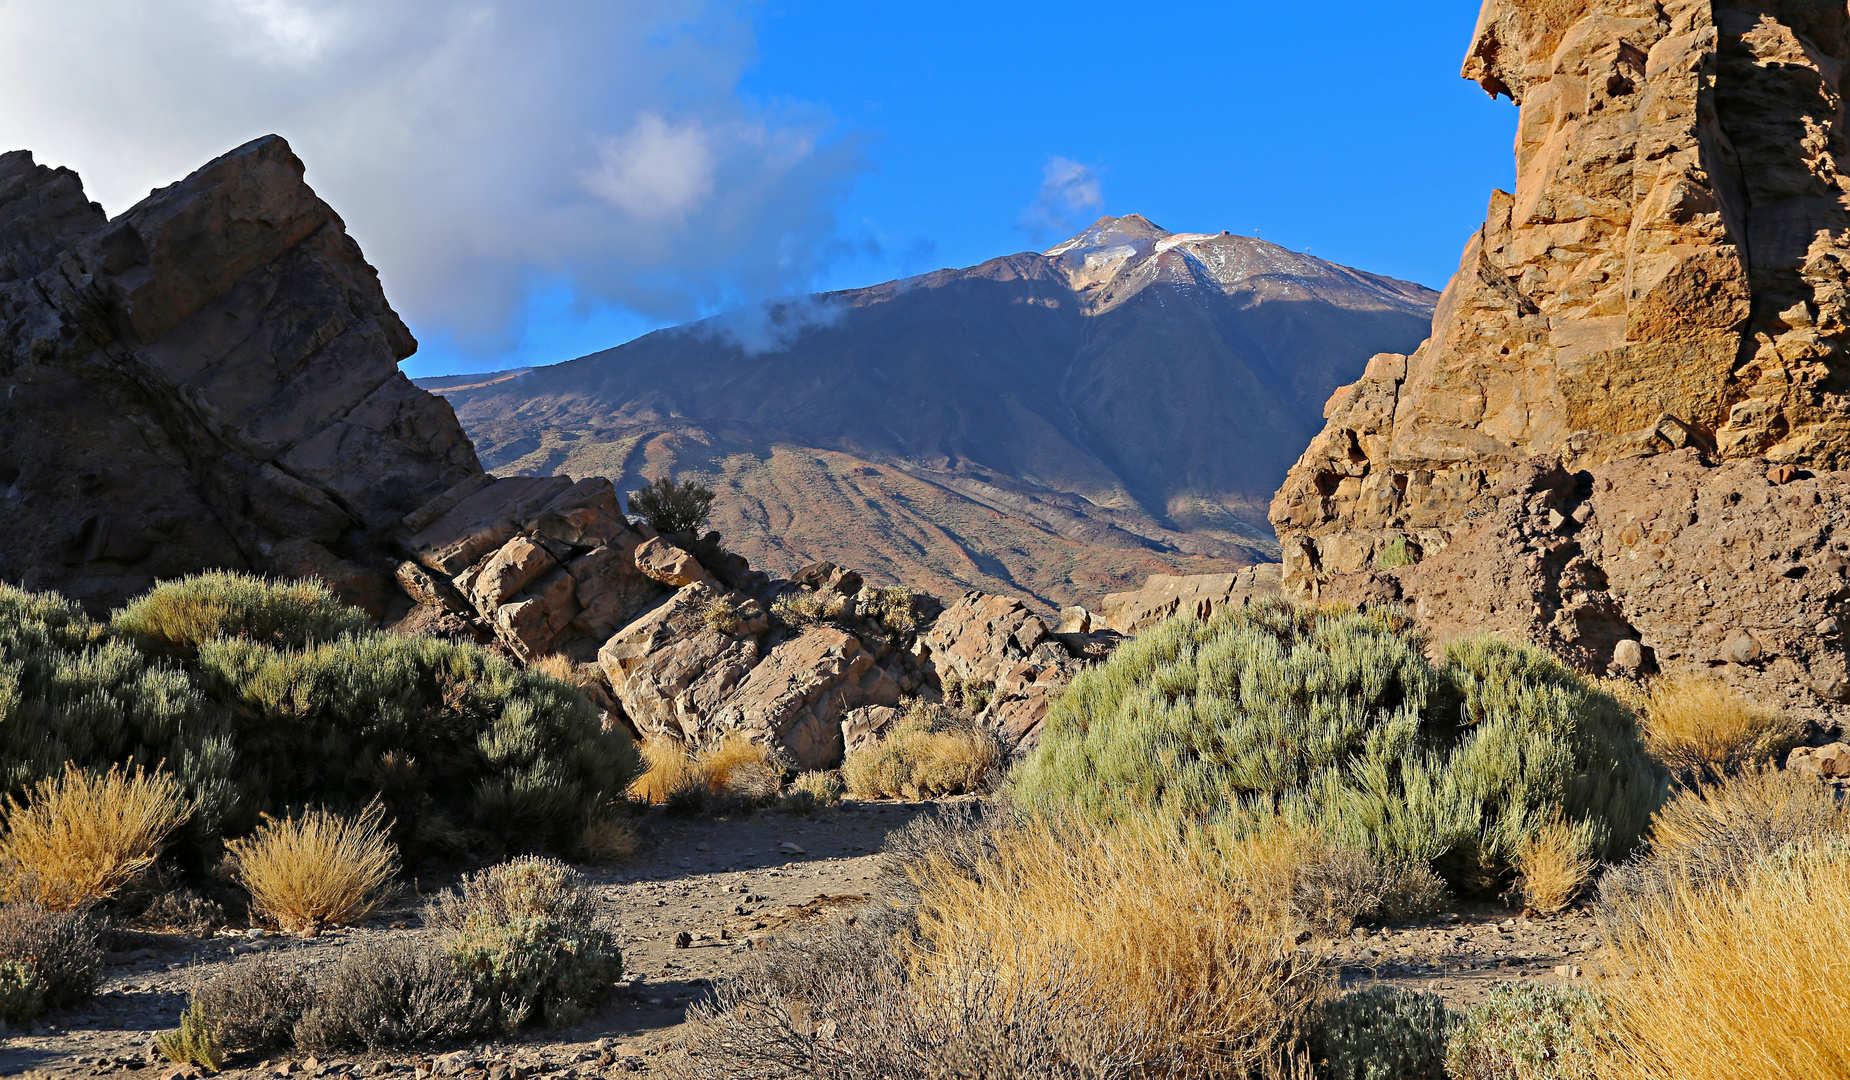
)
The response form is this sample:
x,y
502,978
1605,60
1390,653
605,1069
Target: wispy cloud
x,y
1070,193
473,146
773,325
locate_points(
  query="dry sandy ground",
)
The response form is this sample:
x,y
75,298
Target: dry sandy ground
x,y
700,877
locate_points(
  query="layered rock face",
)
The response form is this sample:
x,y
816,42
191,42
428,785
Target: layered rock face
x,y
1669,277
209,380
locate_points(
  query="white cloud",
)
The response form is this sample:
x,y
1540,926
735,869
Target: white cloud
x,y
1070,193
774,325
655,171
473,146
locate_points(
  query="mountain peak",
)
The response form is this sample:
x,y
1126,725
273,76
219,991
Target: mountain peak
x,y
1133,230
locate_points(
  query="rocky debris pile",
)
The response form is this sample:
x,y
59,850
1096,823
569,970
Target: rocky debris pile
x,y
679,638
1665,289
1162,596
208,380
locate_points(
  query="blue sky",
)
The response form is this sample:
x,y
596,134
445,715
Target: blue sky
x,y
1338,128
538,179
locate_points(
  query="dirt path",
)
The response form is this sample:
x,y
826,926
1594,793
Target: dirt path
x,y
692,876
720,882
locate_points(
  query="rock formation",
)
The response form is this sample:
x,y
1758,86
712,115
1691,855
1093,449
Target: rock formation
x,y
208,380
680,639
1588,449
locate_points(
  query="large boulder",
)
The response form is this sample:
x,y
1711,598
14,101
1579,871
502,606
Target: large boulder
x,y
1163,596
1668,287
208,380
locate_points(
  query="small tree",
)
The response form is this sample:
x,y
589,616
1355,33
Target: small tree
x,y
671,507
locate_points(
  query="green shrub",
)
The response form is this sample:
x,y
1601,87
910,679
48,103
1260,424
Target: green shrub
x,y
386,996
176,617
193,1042
1530,1031
48,960
1336,720
1386,1034
441,731
895,607
671,507
1395,554
523,933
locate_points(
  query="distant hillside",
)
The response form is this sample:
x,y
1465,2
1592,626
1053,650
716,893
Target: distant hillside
x,y
1057,425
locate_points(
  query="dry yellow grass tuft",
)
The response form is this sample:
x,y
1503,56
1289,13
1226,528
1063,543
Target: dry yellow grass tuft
x,y
606,839
1696,723
1153,933
1742,981
1557,864
930,752
560,667
734,766
738,766
78,838
667,768
317,870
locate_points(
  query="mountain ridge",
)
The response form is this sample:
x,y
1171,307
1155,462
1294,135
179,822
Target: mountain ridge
x,y
1132,392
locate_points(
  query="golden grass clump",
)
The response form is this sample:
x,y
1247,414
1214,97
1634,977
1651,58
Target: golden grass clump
x,y
606,839
738,766
734,766
318,869
1695,723
930,751
1557,864
1155,935
667,768
78,838
1747,980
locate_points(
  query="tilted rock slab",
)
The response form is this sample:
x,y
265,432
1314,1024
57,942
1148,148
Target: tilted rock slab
x,y
1163,596
1670,273
208,380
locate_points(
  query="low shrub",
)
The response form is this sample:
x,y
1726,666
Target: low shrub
x,y
1336,720
1126,925
731,773
607,839
805,608
318,869
1395,554
81,837
1293,873
820,788
895,607
671,507
1696,724
847,1003
1740,978
930,751
250,1006
739,766
1532,1031
48,960
667,769
1385,1034
440,730
721,614
1557,865
1714,834
193,1042
523,934
176,617
388,996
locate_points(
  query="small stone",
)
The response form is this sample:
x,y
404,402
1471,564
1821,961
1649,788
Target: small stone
x,y
1742,648
1568,971
683,940
1628,655
1782,474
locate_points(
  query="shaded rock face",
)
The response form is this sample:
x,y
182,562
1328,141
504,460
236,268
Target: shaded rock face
x,y
209,380
1666,281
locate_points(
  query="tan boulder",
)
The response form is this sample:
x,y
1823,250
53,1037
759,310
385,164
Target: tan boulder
x,y
486,515
670,670
534,620
670,565
862,728
797,695
611,590
1828,762
518,563
1201,595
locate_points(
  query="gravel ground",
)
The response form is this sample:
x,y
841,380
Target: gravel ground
x,y
721,882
